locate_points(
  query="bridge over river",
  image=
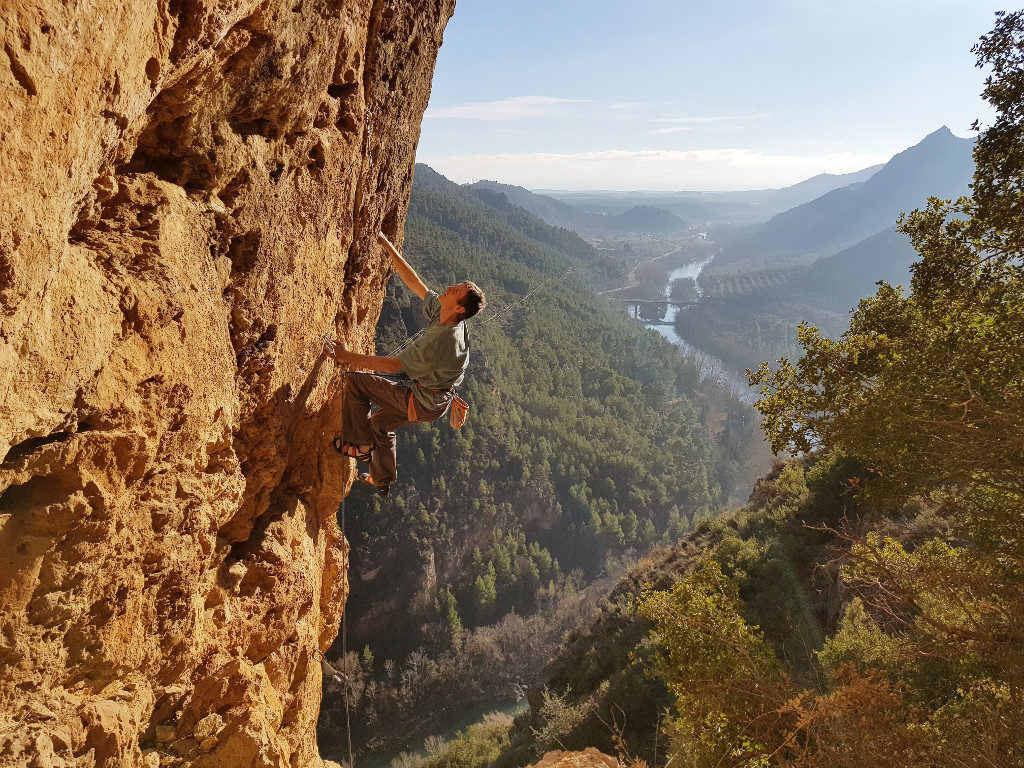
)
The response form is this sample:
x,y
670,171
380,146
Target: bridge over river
x,y
653,310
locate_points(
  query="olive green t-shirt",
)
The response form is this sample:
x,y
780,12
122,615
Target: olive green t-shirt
x,y
437,360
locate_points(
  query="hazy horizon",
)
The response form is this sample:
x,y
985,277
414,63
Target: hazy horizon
x,y
667,191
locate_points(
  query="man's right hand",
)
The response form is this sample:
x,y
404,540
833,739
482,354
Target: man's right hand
x,y
330,349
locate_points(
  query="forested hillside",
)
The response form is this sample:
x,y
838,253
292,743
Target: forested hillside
x,y
644,219
589,437
755,320
546,208
786,573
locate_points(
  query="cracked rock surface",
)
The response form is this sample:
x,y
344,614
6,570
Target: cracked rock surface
x,y
190,195
587,758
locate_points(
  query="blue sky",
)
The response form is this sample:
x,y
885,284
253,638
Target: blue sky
x,y
696,94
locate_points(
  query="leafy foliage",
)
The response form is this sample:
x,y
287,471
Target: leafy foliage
x,y
721,671
478,745
766,560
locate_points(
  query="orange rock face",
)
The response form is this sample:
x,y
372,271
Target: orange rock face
x,y
189,196
587,758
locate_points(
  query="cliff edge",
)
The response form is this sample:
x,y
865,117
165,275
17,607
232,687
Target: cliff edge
x,y
191,193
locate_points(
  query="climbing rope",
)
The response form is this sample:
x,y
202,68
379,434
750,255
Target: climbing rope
x,y
344,651
341,676
522,300
401,347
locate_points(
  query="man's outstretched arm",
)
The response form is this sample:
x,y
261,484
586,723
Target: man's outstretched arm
x,y
407,273
370,362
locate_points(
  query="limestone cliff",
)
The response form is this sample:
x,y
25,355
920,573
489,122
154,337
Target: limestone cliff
x,y
190,193
587,758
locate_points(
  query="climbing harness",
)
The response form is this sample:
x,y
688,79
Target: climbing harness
x,y
458,409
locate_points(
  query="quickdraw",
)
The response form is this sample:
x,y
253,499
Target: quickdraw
x,y
336,674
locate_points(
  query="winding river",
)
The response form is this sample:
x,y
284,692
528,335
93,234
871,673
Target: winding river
x,y
710,367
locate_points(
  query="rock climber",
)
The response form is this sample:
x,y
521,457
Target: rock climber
x,y
435,364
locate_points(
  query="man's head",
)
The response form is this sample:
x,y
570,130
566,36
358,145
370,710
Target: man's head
x,y
465,300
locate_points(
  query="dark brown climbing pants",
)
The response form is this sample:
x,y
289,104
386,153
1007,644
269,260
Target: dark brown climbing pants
x,y
378,430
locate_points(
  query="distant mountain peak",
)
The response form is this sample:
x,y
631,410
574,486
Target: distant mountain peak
x,y
645,218
941,134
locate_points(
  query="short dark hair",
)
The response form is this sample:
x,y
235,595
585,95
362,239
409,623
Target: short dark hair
x,y
473,301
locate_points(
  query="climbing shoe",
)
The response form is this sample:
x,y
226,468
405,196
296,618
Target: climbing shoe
x,y
382,489
351,450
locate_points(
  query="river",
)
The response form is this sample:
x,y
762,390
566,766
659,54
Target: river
x,y
710,367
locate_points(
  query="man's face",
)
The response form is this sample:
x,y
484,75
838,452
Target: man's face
x,y
451,299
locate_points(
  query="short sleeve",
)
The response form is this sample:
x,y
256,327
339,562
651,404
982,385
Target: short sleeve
x,y
414,361
431,307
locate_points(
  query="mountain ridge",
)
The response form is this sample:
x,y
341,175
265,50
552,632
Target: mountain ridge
x,y
940,165
690,206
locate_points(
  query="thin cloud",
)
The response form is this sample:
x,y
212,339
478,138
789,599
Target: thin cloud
x,y
634,105
673,129
515,108
698,119
518,108
668,113
649,168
